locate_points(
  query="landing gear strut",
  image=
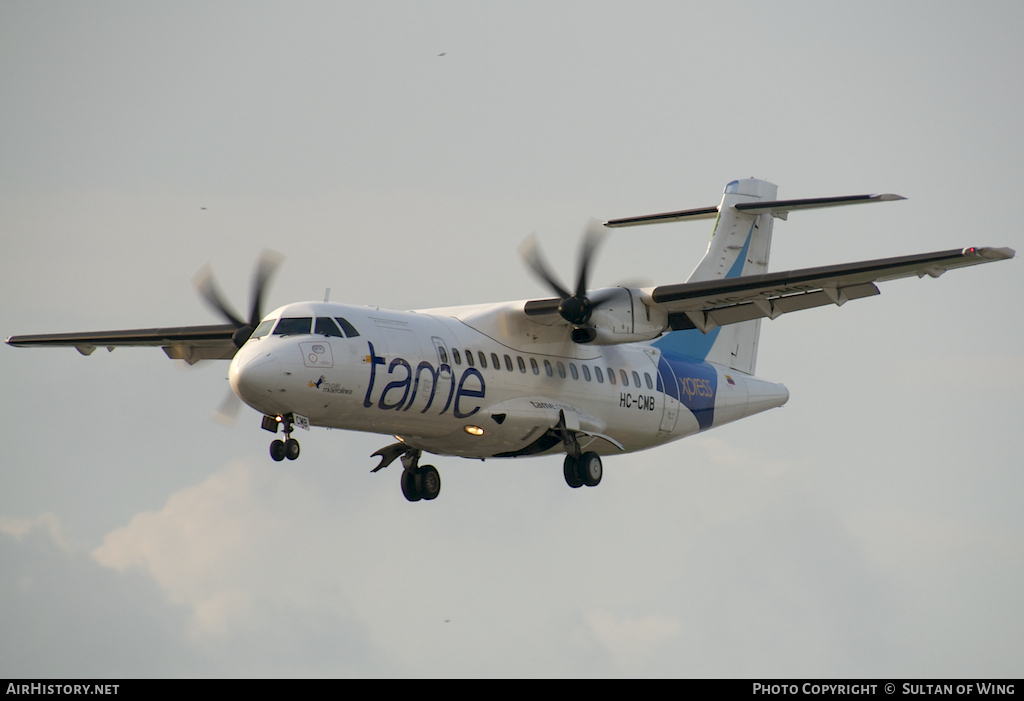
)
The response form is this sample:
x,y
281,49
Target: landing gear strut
x,y
579,468
289,447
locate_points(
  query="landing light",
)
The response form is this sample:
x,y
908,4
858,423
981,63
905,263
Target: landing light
x,y
474,430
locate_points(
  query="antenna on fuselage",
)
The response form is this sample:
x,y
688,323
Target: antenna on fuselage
x,y
327,294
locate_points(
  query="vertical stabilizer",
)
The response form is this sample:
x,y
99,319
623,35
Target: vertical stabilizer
x,y
740,245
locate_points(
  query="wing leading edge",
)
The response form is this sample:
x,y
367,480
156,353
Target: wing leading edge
x,y
708,304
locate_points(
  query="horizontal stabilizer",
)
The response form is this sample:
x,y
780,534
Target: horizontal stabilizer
x,y
685,214
777,208
781,208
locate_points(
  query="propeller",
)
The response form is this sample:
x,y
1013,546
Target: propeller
x,y
207,288
227,412
575,307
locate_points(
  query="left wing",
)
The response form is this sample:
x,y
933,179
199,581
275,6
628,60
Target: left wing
x,y
188,343
705,305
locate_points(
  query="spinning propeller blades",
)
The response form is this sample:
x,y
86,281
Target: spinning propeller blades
x,y
575,307
207,288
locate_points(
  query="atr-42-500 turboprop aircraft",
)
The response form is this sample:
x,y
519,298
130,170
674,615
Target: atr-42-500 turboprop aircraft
x,y
587,373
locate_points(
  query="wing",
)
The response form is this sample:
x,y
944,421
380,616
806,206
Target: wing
x,y
188,343
705,305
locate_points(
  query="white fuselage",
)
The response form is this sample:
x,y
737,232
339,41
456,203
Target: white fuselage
x,y
471,382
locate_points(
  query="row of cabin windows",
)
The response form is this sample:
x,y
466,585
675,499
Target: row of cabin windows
x,y
325,326
549,369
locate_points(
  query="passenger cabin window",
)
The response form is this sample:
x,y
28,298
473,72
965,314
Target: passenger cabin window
x,y
611,376
625,379
597,374
561,369
586,373
325,326
443,355
647,379
458,358
291,327
264,328
534,367
495,363
508,364
547,368
522,365
636,379
574,371
469,358
348,328
483,359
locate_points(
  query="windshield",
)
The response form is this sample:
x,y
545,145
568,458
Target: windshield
x,y
264,328
288,327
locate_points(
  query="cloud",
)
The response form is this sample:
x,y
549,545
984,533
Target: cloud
x,y
63,615
631,641
47,522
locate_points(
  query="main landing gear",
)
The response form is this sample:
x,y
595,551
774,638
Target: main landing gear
x,y
289,447
584,470
579,468
418,481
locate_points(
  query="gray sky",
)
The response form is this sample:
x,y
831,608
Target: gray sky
x,y
870,527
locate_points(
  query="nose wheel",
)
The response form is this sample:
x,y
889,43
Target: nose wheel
x,y
289,447
279,450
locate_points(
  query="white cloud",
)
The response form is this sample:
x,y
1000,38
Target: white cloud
x,y
47,522
631,641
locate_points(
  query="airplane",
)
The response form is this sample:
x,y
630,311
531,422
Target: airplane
x,y
587,373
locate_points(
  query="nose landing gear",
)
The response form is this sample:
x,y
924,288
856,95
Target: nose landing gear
x,y
289,447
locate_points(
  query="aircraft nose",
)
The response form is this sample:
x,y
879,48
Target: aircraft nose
x,y
256,379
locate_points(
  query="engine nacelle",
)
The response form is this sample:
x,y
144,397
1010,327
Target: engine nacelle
x,y
623,318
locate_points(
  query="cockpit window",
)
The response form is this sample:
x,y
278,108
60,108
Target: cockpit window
x,y
326,327
732,187
348,328
264,328
290,327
